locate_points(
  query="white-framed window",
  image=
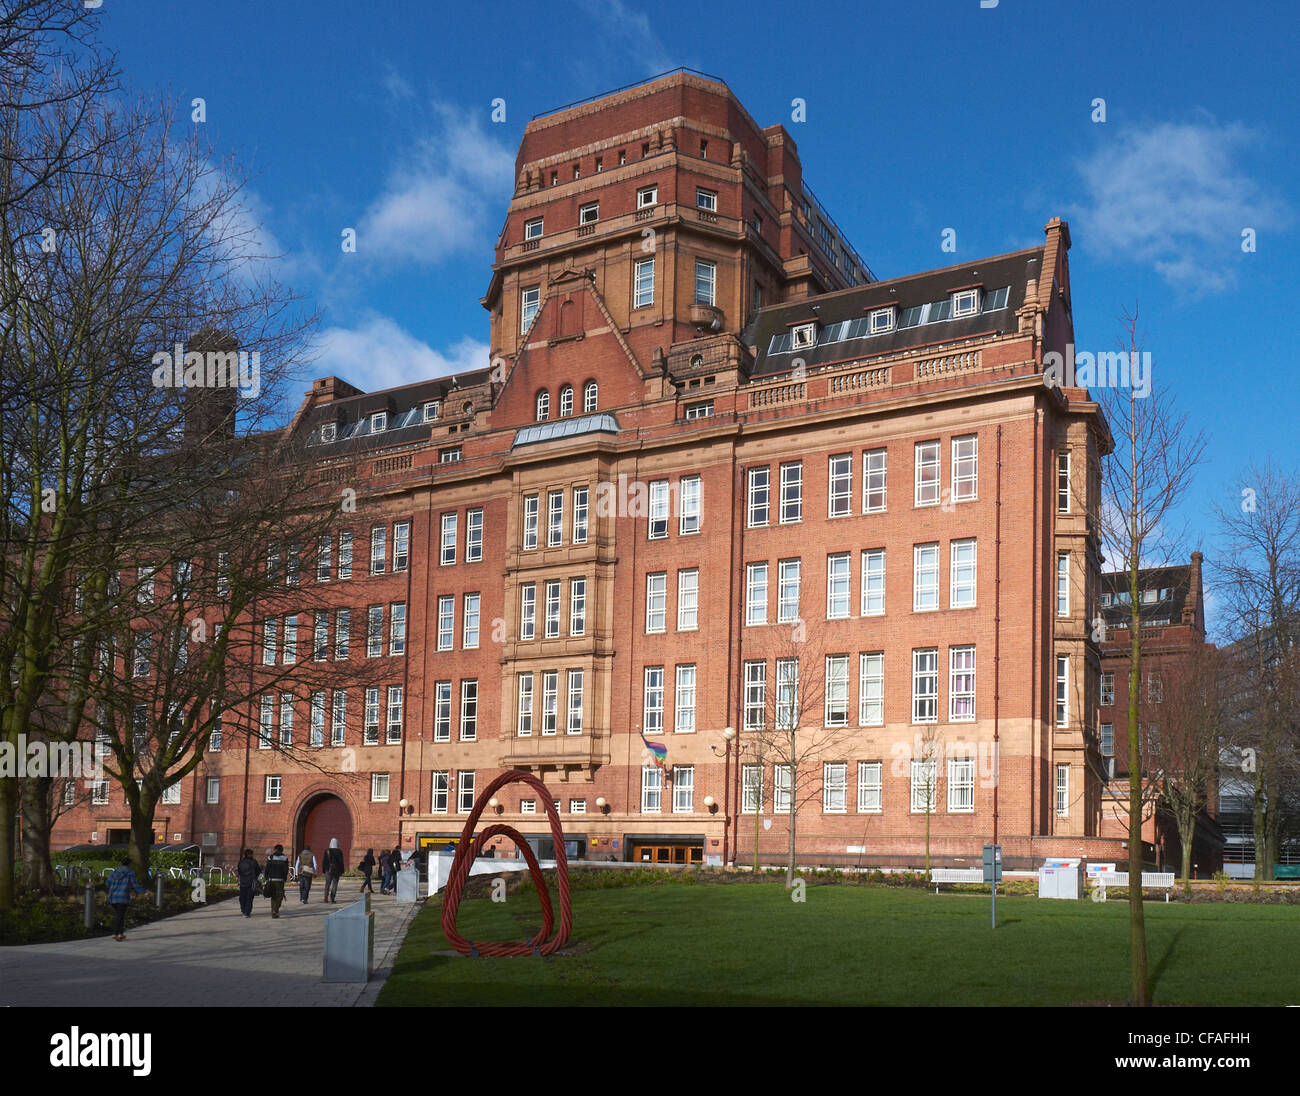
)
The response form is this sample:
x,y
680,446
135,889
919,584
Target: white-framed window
x,y
961,592
342,627
214,789
782,789
925,577
577,606
684,700
533,228
589,391
397,628
706,199
374,631
530,300
528,610
690,499
580,513
874,481
474,535
270,628
265,721
402,545
379,787
873,582
370,727
683,789
965,468
324,546
543,405
531,505
965,302
469,710
378,549
1107,689
927,473
871,689
643,281
172,794
430,411
528,806
755,696
838,586
652,708
647,196
1108,740
839,501
1062,690
1062,791
566,401
345,554
525,705
550,701
869,787
469,627
320,636
1155,687
447,542
554,519
791,492
803,336
881,320
328,432
1063,482
756,593
835,787
465,791
656,602
286,719
316,723
1063,584
393,730
961,684
577,806
446,622
575,702
659,502
440,786
961,785
99,793
651,789
589,213
924,786
442,711
751,789
339,717
553,609
688,600
272,789
706,279
760,497
788,711
837,690
788,583
925,685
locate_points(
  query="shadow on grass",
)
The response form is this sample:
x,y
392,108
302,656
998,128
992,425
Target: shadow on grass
x,y
1154,974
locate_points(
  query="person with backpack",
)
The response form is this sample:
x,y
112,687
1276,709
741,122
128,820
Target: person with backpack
x,y
277,874
334,868
367,867
306,865
120,886
247,871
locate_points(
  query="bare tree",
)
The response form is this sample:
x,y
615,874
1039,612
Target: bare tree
x,y
1145,478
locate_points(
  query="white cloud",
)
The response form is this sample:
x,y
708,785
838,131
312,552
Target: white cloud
x,y
444,199
379,354
1176,197
629,33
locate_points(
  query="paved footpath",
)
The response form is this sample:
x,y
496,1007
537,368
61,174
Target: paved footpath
x,y
211,957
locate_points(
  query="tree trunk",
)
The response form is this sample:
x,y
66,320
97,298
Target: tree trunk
x,y
1187,835
141,840
38,874
1137,923
794,810
758,826
8,807
1259,820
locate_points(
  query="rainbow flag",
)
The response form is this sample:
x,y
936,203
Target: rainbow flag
x,y
657,749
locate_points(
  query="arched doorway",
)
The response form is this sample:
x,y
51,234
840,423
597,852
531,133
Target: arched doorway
x,y
323,817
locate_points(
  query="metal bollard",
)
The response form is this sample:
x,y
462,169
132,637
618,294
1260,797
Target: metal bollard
x,y
90,906
159,899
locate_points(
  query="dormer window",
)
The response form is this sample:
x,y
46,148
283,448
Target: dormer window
x,y
589,214
431,410
881,320
328,432
379,422
543,406
803,336
647,196
566,401
533,229
965,302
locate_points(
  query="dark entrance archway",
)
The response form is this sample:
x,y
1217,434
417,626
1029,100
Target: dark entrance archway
x,y
323,817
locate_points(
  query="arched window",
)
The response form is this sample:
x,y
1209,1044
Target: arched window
x,y
566,401
589,397
543,405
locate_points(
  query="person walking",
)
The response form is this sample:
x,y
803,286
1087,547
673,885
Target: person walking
x,y
277,873
334,868
385,870
306,872
120,886
367,867
396,866
247,871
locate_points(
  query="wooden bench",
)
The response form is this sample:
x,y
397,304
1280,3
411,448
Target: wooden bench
x,y
1154,880
955,875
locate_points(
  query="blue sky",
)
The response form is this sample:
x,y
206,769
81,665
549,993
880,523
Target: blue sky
x,y
920,117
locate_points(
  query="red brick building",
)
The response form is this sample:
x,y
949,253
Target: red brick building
x,y
709,447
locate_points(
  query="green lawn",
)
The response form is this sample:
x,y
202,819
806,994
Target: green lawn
x,y
709,944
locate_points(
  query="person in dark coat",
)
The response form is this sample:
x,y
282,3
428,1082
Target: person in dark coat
x,y
396,855
385,871
333,868
247,871
277,874
367,867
